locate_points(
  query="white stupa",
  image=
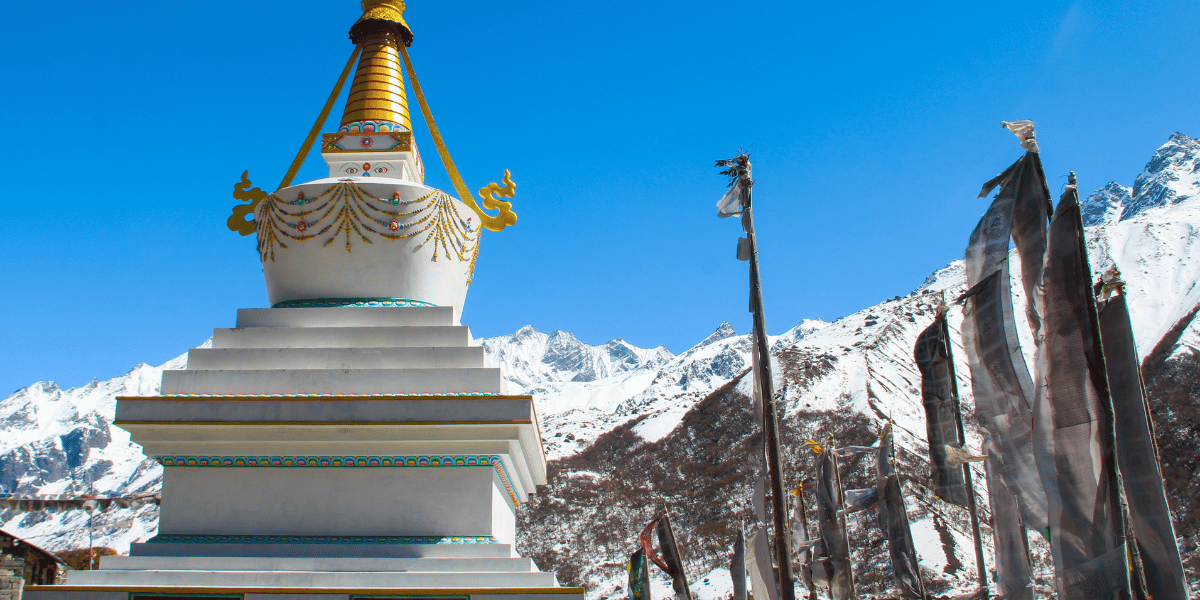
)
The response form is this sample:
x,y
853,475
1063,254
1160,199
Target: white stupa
x,y
350,442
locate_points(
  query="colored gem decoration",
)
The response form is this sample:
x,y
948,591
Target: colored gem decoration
x,y
396,198
301,226
300,200
366,167
366,142
394,225
350,302
373,127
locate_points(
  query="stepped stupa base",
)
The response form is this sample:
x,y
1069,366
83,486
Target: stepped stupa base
x,y
333,454
482,572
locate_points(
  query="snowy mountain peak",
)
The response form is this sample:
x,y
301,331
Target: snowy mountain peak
x,y
530,357
725,330
1105,204
1172,176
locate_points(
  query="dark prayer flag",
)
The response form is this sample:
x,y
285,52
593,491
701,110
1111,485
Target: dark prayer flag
x,y
1073,423
832,528
1137,454
737,566
893,521
939,395
1014,573
1000,378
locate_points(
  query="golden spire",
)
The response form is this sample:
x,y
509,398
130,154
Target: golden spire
x,y
377,101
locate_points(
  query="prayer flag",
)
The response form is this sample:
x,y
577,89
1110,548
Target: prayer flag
x,y
1073,424
938,394
1002,385
1137,454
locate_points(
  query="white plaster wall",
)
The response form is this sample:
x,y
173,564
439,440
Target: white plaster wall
x,y
331,501
504,518
383,268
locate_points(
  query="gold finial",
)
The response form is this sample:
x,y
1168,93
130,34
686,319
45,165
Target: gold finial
x,y
391,11
377,100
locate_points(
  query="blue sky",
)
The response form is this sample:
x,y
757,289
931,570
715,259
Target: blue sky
x,y
871,127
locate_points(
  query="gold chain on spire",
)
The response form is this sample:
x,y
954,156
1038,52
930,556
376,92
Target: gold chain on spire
x,y
491,193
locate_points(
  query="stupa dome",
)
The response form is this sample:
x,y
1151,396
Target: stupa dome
x,y
372,233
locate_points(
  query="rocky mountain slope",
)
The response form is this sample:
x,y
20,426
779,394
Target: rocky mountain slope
x,y
631,430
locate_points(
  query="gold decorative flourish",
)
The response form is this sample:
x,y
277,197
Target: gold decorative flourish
x,y
348,212
242,191
491,194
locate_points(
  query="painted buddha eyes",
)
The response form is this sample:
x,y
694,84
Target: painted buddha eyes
x,y
366,170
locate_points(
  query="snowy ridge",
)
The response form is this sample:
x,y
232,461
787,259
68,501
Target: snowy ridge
x,y
1152,234
60,441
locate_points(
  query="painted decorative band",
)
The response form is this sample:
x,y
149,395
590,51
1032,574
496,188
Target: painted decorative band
x,y
350,302
346,462
328,461
309,539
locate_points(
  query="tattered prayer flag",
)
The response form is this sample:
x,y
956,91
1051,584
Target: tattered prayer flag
x,y
1024,132
730,205
737,567
1014,573
860,500
1000,379
833,529
734,202
762,573
893,520
672,561
1137,454
852,451
801,547
639,577
759,500
1073,424
755,372
938,394
958,456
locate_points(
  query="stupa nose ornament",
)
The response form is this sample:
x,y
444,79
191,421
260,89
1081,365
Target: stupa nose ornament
x,y
372,233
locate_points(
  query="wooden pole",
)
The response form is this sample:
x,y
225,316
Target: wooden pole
x,y
812,587
958,420
766,385
841,517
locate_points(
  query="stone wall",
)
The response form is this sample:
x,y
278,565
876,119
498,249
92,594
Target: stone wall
x,y
12,580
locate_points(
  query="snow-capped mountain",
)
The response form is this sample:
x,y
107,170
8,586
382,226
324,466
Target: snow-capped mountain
x,y
63,442
629,430
532,359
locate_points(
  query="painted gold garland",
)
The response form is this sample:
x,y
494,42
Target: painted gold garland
x,y
346,211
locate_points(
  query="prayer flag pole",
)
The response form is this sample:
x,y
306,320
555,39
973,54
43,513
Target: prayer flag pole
x,y
740,196
958,420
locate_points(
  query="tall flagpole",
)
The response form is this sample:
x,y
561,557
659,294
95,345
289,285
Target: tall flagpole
x,y
739,200
783,538
958,420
